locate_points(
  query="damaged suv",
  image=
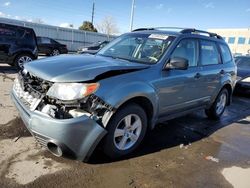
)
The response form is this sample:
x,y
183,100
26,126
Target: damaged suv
x,y
70,103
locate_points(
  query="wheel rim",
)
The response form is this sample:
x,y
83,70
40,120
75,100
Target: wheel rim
x,y
127,132
55,52
22,60
220,106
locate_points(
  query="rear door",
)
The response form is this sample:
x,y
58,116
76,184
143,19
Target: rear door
x,y
211,68
7,40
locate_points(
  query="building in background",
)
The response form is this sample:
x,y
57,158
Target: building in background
x,y
237,39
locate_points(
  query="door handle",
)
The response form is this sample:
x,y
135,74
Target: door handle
x,y
222,72
197,76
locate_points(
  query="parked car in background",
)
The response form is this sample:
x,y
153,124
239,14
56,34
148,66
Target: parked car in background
x,y
50,47
18,45
243,74
93,49
71,103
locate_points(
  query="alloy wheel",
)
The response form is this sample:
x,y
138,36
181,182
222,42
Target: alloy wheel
x,y
127,132
221,103
22,60
55,52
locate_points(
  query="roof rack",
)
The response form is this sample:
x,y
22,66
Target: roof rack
x,y
143,29
159,28
195,31
182,30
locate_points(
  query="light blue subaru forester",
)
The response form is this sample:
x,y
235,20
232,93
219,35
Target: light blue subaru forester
x,y
71,103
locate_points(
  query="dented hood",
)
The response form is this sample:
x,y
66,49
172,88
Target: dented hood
x,y
77,68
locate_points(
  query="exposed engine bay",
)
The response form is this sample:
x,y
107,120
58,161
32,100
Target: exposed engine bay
x,y
31,88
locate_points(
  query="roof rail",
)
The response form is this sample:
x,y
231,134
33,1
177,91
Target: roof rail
x,y
143,29
182,30
159,28
186,31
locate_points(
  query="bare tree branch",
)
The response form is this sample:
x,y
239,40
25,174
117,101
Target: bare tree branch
x,y
108,26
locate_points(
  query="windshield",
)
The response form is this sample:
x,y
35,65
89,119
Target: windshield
x,y
142,48
243,62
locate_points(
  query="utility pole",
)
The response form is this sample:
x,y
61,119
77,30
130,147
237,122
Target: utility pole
x,y
93,12
132,15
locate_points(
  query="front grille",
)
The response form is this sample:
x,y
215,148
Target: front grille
x,y
26,98
42,140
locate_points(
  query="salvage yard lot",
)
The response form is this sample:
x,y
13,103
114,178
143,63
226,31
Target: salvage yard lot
x,y
191,151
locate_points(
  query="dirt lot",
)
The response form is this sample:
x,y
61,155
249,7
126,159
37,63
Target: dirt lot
x,y
187,152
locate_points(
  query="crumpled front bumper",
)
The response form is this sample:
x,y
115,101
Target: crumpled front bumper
x,y
76,136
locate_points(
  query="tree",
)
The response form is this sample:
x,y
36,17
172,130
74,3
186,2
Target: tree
x,y
108,26
87,26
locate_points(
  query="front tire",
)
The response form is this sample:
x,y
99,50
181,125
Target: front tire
x,y
126,131
219,105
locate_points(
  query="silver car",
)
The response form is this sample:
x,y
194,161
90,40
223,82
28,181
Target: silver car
x,y
71,103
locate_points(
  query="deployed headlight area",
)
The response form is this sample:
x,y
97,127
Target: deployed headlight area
x,y
61,100
71,91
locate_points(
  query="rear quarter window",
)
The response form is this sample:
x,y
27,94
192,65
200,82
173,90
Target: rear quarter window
x,y
27,36
225,53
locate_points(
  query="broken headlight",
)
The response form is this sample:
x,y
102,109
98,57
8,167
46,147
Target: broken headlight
x,y
71,91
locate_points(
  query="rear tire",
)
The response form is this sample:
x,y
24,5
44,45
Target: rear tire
x,y
55,52
219,105
22,59
126,130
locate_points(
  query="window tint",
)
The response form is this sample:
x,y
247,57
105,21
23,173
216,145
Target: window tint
x,y
187,49
209,53
45,40
241,40
243,62
144,48
7,32
29,37
226,54
231,40
53,41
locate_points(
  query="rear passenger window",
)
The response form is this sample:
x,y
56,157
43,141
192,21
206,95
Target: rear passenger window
x,y
209,53
7,32
187,49
45,40
226,54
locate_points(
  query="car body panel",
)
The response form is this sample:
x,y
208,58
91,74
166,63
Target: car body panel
x,y
77,68
18,43
169,91
50,45
78,136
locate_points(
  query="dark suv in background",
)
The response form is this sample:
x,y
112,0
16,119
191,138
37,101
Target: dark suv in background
x,y
18,45
50,47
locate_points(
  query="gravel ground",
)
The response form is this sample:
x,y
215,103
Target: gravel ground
x,y
191,151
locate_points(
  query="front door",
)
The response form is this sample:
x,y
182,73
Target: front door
x,y
179,90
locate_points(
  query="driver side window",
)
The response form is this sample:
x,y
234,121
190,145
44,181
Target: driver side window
x,y
188,49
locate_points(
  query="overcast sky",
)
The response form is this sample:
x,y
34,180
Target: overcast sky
x,y
202,14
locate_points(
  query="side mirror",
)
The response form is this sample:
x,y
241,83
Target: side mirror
x,y
178,63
